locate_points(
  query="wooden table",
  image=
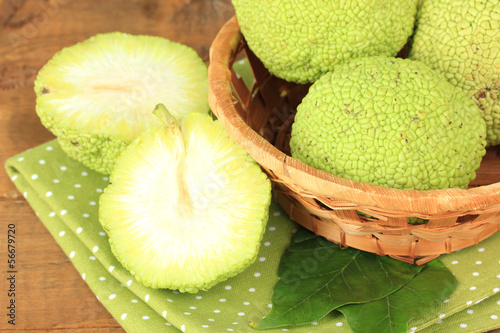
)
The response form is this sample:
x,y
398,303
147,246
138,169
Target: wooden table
x,y
50,294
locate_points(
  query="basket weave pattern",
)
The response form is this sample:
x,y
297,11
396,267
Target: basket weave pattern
x,y
352,214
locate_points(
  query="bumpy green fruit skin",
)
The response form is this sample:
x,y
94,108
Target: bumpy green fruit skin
x,y
461,40
390,122
97,151
96,96
299,40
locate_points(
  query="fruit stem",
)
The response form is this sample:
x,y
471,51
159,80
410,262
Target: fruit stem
x,y
185,201
162,112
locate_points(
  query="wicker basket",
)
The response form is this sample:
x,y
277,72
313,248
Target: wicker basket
x,y
352,214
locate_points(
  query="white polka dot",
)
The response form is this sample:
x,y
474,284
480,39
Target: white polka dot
x,y
85,215
71,197
92,258
496,290
339,324
269,305
78,230
83,276
112,296
41,162
211,319
135,301
146,298
227,287
463,325
469,302
475,274
183,328
164,314
222,300
204,326
72,254
129,282
442,315
479,262
25,194
78,185
251,290
454,262
314,323
20,159
56,181
111,268
95,249
236,323
123,316
246,303
63,168
63,212
13,177
472,288
272,228
84,173
216,311
267,243
52,214
241,314
230,330
277,214
498,302
262,259
34,176
48,194
187,313
256,274
168,324
61,233
49,148
198,297
102,278
105,178
470,311
99,190
102,233
92,203
494,317
145,317
168,299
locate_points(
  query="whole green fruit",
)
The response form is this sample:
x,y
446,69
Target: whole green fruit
x,y
298,40
391,122
461,40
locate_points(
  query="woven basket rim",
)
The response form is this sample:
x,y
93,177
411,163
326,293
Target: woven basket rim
x,y
222,103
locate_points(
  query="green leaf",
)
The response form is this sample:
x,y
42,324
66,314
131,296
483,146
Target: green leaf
x,y
317,276
391,314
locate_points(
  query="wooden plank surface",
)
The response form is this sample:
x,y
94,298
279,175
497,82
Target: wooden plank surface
x,y
51,295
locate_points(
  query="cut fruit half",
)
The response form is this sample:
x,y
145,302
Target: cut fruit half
x,y
96,96
186,207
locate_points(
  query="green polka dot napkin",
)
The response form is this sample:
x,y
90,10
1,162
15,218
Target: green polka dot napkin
x,y
65,196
